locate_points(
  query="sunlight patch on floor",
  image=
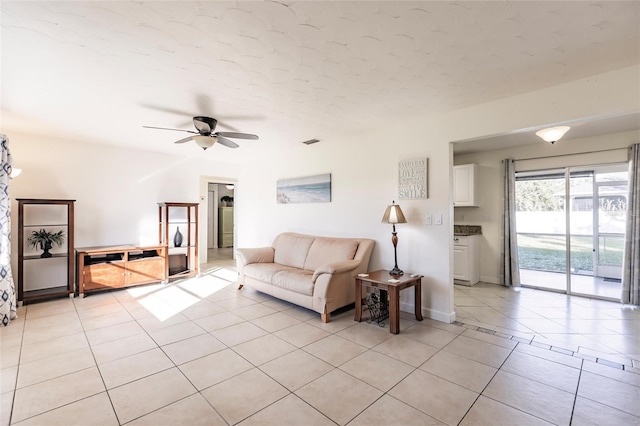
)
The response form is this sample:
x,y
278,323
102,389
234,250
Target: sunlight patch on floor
x,y
226,274
204,286
166,300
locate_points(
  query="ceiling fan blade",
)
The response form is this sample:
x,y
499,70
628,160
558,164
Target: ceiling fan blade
x,y
189,139
237,135
169,110
166,128
226,142
227,126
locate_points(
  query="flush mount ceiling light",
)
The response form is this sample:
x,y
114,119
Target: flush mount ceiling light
x,y
552,134
230,186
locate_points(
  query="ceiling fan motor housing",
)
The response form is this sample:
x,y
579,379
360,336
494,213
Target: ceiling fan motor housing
x,y
205,125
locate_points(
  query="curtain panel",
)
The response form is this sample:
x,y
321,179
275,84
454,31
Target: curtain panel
x,y
631,262
8,309
509,266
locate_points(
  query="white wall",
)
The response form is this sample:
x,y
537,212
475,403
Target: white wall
x,y
117,190
364,178
489,211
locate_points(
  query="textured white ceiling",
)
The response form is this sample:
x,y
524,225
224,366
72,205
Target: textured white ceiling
x,y
287,71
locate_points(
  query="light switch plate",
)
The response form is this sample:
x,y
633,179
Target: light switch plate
x,y
428,220
438,219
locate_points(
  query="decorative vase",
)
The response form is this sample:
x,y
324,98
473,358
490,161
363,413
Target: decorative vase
x,y
46,247
177,239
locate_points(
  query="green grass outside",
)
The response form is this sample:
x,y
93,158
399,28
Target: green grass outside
x,y
547,253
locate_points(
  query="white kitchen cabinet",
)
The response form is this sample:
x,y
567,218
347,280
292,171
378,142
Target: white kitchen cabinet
x,y
465,180
466,259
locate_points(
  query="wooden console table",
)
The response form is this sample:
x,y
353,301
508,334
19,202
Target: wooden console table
x,y
110,267
380,279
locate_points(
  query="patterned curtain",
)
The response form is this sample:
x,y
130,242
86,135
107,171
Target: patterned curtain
x,y
631,263
509,265
7,289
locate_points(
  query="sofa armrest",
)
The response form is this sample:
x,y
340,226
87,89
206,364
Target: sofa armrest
x,y
246,256
336,268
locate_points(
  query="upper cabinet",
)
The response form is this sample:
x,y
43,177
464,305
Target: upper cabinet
x,y
465,180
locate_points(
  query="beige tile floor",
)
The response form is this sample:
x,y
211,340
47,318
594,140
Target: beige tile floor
x,y
199,351
587,328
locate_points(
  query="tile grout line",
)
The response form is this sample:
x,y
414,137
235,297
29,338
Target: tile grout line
x,y
601,361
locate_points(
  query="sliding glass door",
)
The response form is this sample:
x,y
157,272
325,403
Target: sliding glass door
x,y
589,202
541,227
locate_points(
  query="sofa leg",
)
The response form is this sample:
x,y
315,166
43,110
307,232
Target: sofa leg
x,y
240,286
325,317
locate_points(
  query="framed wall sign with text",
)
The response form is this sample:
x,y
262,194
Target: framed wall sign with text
x,y
412,179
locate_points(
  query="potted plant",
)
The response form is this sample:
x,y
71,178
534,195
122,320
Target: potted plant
x,y
227,200
45,240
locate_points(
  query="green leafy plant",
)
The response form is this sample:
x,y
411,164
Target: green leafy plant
x,y
44,239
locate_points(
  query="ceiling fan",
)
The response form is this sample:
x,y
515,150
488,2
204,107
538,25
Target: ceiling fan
x,y
205,136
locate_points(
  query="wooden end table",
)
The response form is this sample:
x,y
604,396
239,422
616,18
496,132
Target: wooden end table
x,y
380,279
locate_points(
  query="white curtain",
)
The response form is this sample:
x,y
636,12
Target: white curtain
x,y
7,289
509,267
631,263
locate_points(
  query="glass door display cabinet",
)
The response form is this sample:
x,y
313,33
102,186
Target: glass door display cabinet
x,y
178,230
46,261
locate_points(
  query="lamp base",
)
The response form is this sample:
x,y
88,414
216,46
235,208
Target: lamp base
x,y
396,271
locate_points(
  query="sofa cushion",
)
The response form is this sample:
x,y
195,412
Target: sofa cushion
x,y
329,250
297,280
264,271
291,249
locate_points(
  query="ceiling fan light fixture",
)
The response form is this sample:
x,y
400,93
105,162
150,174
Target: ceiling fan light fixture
x,y
205,142
552,134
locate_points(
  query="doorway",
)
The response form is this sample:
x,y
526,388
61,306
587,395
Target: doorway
x,y
220,232
570,224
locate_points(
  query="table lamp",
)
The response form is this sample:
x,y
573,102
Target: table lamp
x,y
394,215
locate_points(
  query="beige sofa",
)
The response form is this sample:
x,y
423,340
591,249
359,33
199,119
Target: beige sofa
x,y
312,272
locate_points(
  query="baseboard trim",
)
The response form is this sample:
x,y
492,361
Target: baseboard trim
x,y
490,280
429,313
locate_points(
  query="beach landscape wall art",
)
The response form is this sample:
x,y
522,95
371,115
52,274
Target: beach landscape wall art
x,y
308,189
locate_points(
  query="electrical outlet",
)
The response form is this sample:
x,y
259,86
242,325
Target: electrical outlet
x,y
428,220
438,219
485,218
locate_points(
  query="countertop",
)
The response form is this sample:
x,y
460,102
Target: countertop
x,y
466,230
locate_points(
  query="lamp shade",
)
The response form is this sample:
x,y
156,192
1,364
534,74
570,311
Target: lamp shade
x,y
393,214
552,134
205,142
15,172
